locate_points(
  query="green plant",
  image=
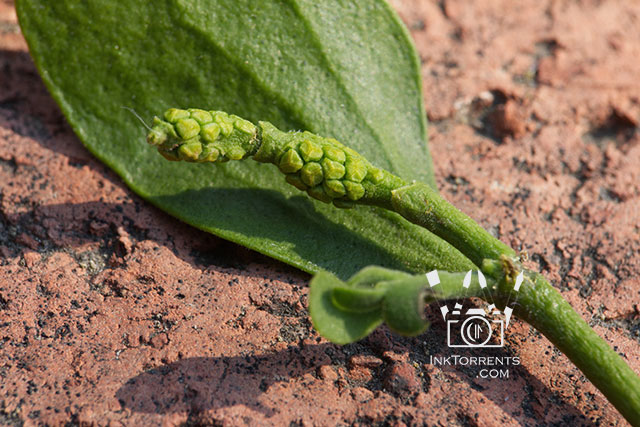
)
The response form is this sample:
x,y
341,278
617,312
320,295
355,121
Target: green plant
x,y
329,67
347,311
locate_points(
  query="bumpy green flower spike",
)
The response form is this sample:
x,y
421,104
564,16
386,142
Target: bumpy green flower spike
x,y
323,167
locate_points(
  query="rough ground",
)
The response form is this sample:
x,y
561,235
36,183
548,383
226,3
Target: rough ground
x,y
111,312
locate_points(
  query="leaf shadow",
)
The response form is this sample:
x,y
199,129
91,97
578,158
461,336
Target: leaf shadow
x,y
198,384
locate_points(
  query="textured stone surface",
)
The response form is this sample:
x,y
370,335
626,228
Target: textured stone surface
x,y
111,312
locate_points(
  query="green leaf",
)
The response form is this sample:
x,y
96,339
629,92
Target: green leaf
x,y
342,69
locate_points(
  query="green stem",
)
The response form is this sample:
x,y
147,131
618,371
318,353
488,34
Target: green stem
x,y
545,309
422,205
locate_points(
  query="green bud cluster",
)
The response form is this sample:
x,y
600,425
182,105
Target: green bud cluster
x,y
323,167
195,135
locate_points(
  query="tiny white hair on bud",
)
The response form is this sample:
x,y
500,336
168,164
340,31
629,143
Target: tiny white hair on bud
x,y
132,111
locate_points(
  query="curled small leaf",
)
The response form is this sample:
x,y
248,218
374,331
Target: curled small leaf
x,y
335,324
345,312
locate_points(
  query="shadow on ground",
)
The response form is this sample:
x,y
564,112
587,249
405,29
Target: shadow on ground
x,y
199,384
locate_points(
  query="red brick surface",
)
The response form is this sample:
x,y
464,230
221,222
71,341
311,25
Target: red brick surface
x,y
111,312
